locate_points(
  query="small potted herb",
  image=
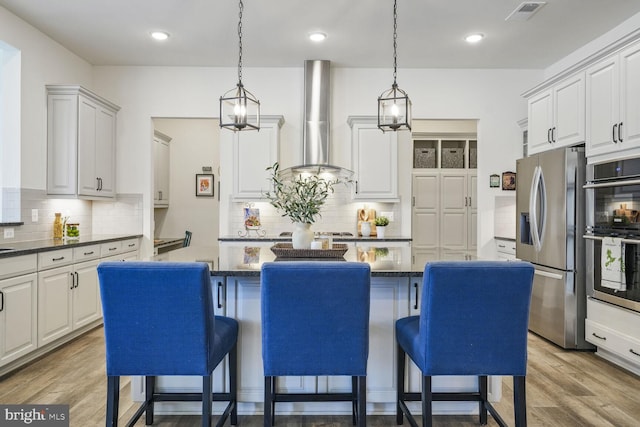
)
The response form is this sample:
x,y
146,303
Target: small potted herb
x,y
381,226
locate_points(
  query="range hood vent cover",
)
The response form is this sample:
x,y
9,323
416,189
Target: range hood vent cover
x,y
316,129
525,10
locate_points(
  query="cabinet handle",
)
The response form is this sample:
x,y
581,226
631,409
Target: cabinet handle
x,y
160,195
465,201
356,187
549,135
413,200
502,246
469,201
415,306
77,279
57,259
620,132
598,336
112,249
614,133
635,353
89,253
131,245
1,300
219,289
97,184
553,134
73,281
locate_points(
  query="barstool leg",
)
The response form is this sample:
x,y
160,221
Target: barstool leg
x,y
482,387
233,383
267,420
362,401
520,401
354,402
427,399
400,383
207,401
150,388
113,399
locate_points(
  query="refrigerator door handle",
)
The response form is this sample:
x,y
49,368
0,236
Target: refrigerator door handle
x,y
533,214
541,224
548,274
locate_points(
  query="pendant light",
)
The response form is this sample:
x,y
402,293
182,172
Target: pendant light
x,y
394,105
239,109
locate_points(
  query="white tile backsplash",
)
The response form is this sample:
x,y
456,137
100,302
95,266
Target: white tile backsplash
x,y
505,217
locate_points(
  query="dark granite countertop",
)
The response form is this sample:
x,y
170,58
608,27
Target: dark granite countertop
x,y
35,246
233,258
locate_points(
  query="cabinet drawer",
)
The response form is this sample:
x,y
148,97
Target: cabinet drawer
x,y
18,265
111,248
506,246
623,345
86,253
130,245
53,259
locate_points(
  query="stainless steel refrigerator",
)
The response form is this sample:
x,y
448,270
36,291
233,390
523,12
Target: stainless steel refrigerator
x,y
549,227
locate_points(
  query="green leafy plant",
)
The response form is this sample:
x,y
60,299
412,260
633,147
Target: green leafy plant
x,y
382,252
299,197
382,221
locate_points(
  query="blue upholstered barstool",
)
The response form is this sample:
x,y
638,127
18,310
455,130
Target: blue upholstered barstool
x,y
473,321
315,321
159,320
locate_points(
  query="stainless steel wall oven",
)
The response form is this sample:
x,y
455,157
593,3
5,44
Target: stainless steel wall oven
x,y
613,210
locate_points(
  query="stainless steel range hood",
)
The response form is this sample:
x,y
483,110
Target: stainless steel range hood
x,y
316,129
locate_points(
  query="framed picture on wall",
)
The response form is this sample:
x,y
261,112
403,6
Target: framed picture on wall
x,y
204,185
508,180
494,180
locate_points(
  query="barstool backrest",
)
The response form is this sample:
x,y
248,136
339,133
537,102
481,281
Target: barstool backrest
x,y
158,318
315,318
474,317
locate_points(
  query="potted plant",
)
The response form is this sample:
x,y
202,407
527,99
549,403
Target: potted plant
x,y
299,198
381,226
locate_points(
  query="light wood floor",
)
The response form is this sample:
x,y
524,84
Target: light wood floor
x,y
564,388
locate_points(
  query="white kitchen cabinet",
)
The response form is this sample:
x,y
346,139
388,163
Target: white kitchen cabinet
x,y
388,304
557,115
68,297
81,141
613,110
243,304
161,170
253,153
18,307
458,210
426,210
374,158
506,249
616,333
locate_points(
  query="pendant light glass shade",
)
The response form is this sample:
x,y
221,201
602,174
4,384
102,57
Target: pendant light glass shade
x,y
394,109
239,109
394,105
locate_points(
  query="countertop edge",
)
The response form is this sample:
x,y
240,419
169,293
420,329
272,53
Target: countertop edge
x,y
36,246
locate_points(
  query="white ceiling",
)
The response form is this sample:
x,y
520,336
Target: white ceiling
x,y
430,32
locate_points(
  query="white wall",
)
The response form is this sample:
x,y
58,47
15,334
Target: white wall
x,y
490,96
43,62
194,144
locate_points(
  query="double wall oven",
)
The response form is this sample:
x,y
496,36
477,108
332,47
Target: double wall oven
x,y
613,210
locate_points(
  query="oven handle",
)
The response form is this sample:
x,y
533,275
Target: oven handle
x,y
611,184
592,237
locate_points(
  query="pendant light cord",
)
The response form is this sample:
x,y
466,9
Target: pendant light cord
x,y
240,44
395,42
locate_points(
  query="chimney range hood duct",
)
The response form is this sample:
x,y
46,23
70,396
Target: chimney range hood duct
x,y
316,128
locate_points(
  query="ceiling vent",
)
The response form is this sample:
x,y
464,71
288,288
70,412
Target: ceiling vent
x,y
525,10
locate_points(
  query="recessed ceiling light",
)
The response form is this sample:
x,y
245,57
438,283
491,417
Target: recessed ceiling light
x,y
160,35
474,38
317,36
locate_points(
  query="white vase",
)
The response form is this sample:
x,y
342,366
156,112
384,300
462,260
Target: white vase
x,y
365,228
380,231
302,236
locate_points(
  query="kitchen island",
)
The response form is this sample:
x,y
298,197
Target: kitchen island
x,y
396,286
